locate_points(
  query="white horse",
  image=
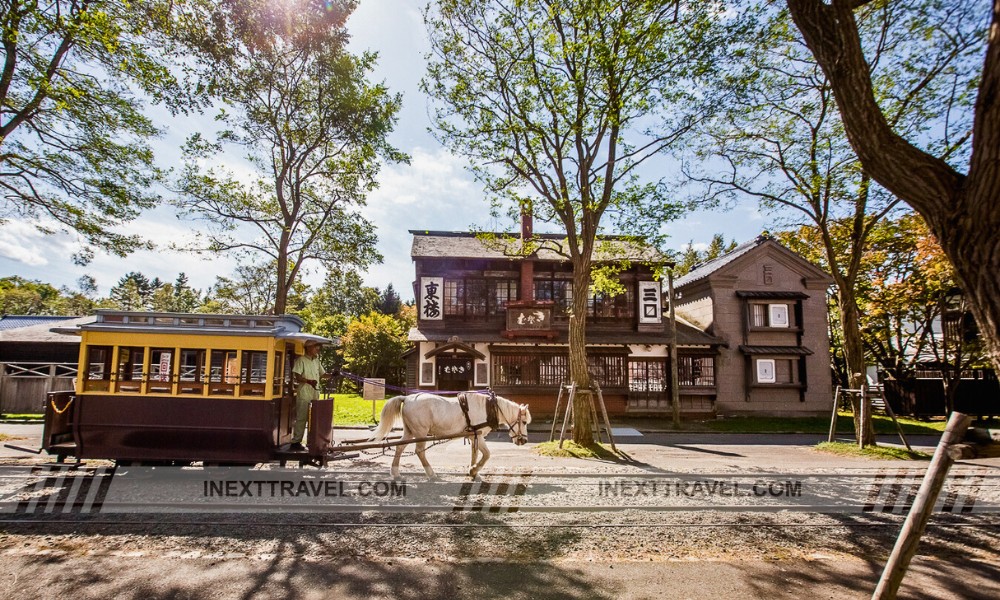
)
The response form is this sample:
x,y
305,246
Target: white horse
x,y
427,415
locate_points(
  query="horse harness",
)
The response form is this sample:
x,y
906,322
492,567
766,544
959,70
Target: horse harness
x,y
492,418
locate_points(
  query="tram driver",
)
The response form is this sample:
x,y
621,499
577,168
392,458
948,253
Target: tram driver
x,y
307,372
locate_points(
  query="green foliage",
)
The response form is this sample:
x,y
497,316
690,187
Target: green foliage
x,y
74,153
559,104
312,127
19,296
373,345
343,293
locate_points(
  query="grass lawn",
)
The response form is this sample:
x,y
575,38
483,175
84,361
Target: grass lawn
x,y
21,417
845,424
877,452
571,449
352,409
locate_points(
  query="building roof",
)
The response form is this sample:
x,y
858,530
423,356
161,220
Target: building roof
x,y
704,270
18,321
41,332
458,244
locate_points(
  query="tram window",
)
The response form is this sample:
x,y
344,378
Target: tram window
x,y
192,369
254,373
279,365
98,369
130,361
161,365
224,374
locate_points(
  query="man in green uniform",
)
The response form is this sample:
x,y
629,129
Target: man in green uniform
x,y
306,373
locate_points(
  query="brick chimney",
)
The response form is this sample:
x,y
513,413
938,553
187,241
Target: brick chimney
x,y
527,264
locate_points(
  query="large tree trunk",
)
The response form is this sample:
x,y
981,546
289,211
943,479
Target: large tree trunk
x,y
961,210
578,369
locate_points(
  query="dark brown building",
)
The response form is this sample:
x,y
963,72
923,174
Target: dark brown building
x,y
752,333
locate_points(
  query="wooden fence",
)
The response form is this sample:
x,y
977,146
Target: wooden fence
x,y
24,385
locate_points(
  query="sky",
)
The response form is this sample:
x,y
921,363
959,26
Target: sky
x,y
435,191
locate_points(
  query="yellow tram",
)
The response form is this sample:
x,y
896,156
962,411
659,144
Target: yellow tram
x,y
183,387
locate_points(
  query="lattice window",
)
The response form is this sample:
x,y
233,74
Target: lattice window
x,y
610,370
696,370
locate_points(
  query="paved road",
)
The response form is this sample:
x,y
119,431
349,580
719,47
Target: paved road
x,y
300,562
283,576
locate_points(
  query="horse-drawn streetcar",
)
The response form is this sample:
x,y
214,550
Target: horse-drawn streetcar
x,y
182,388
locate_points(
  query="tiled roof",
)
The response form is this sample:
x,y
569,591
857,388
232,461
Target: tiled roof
x,y
705,269
455,244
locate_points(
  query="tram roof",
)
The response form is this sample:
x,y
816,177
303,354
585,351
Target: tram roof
x,y
286,327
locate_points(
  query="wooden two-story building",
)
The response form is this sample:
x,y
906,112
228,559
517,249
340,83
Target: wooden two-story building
x,y
489,315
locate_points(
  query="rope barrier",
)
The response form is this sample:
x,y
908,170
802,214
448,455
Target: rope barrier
x,y
406,391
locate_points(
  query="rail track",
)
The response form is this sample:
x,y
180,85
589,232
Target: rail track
x,y
114,494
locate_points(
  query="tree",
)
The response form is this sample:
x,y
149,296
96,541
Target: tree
x,y
135,291
389,301
343,293
74,151
176,297
373,346
959,207
781,139
250,291
690,257
558,104
313,129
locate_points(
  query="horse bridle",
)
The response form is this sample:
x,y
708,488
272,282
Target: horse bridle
x,y
516,434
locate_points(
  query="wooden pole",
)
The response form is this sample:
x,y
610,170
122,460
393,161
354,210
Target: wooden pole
x,y
555,416
862,434
675,390
607,423
833,418
923,506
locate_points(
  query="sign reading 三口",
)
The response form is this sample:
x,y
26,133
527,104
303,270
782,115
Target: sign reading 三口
x,y
649,302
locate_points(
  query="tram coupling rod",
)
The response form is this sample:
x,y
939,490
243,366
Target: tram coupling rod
x,y
31,450
401,442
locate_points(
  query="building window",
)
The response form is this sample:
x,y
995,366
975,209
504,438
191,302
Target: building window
x,y
502,291
609,370
605,306
770,315
550,370
695,370
476,297
557,291
647,375
777,371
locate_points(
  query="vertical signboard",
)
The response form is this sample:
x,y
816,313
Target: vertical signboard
x,y
649,302
431,304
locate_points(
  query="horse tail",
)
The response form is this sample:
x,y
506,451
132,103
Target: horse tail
x,y
390,414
